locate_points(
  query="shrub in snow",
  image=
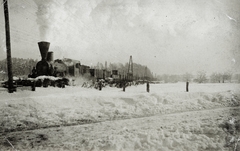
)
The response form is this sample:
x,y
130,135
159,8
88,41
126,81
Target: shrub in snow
x,y
232,128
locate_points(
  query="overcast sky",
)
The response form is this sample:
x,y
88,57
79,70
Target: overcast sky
x,y
168,36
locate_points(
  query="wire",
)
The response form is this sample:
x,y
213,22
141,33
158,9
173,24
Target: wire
x,y
4,2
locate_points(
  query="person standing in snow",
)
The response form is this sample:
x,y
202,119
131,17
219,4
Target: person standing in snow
x,y
100,85
33,85
124,85
148,87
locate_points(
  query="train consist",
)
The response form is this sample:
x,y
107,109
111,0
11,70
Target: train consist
x,y
63,68
57,73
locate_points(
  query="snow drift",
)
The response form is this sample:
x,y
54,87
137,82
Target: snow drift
x,y
55,107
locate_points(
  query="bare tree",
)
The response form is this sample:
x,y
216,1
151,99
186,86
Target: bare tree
x,y
216,77
226,76
201,77
173,78
237,78
187,77
165,78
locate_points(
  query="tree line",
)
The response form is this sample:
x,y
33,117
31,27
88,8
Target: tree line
x,y
139,71
23,67
200,77
20,67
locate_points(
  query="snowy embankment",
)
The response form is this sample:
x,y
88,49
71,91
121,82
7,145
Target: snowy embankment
x,y
55,107
75,105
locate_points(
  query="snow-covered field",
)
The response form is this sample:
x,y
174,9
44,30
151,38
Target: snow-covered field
x,y
76,118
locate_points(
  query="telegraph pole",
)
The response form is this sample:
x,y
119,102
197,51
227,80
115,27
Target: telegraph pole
x,y
130,70
11,88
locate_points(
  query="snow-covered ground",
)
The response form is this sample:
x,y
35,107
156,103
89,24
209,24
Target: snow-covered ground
x,y
76,118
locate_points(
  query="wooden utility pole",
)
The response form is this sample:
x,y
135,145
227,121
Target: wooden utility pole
x,y
11,88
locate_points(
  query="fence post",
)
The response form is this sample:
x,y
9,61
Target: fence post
x,y
187,84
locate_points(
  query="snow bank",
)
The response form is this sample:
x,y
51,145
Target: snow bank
x,y
54,107
75,105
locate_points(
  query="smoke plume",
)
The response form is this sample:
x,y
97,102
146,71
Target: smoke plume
x,y
167,36
50,15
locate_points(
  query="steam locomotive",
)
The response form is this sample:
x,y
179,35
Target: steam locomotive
x,y
69,67
59,67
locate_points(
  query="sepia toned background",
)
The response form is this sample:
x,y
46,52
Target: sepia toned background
x,y
171,37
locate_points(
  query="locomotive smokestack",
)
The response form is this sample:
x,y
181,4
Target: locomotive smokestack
x,y
50,56
43,47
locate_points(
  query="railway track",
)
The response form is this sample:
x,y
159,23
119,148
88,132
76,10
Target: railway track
x,y
57,137
89,122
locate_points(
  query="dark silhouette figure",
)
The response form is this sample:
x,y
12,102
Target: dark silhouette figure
x,y
148,87
100,85
124,86
187,84
33,86
34,73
